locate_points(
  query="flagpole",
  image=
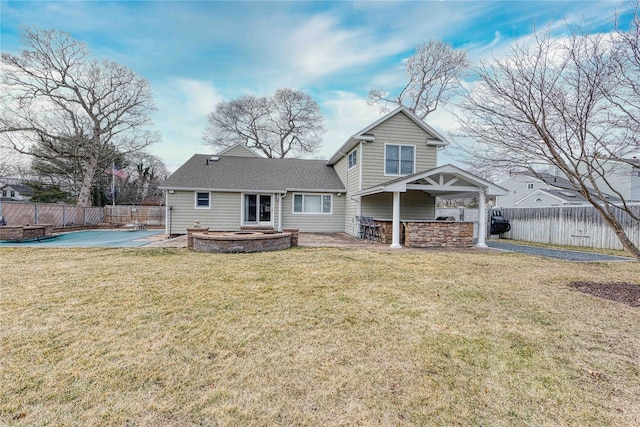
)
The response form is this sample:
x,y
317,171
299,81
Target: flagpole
x,y
113,184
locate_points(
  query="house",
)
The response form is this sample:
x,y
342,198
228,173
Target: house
x,y
16,192
387,171
623,177
527,191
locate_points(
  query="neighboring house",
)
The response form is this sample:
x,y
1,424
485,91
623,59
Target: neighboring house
x,y
623,177
16,192
387,171
528,191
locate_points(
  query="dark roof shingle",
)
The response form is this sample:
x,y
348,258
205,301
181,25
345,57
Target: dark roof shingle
x,y
232,173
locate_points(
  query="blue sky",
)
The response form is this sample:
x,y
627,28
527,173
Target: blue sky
x,y
197,53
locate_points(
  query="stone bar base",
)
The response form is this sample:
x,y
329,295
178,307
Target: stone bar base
x,y
386,231
438,234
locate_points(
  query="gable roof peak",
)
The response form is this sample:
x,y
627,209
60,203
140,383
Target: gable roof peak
x,y
238,147
364,134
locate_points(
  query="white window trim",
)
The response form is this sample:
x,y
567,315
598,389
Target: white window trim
x,y
195,200
384,164
293,204
353,152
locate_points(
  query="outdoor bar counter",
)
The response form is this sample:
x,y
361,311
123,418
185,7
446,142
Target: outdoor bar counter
x,y
428,233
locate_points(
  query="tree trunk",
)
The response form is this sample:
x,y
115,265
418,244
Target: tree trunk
x,y
84,197
624,239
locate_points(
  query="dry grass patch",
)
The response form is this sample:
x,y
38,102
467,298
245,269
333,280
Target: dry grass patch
x,y
312,337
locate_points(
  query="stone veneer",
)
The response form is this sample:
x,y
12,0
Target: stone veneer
x,y
233,243
22,232
294,235
191,231
273,240
386,231
438,234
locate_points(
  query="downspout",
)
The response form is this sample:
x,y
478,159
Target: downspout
x,y
280,196
360,168
168,214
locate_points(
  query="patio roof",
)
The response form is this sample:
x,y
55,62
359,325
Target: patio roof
x,y
441,181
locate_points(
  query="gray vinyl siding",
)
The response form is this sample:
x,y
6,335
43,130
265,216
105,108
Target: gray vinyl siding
x,y
413,205
314,223
351,180
239,151
400,130
223,215
545,200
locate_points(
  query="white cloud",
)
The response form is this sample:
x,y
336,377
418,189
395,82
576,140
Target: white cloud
x,y
346,114
183,105
319,47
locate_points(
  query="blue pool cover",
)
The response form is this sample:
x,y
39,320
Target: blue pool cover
x,y
90,239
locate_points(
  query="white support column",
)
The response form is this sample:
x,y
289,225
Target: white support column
x,y
482,218
395,239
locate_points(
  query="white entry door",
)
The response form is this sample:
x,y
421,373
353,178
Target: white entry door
x,y
257,209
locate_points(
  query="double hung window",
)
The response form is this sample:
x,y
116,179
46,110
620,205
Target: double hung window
x,y
399,159
203,200
353,158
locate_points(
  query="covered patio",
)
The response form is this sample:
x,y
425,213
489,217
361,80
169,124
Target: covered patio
x,y
445,180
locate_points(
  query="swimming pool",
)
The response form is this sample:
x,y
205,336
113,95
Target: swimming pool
x,y
93,238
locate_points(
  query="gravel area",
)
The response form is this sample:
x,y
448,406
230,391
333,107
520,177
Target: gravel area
x,y
555,253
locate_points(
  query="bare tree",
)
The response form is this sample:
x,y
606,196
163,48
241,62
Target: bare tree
x,y
434,72
73,107
145,172
287,124
550,101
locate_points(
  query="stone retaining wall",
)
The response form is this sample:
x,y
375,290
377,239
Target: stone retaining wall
x,y
438,234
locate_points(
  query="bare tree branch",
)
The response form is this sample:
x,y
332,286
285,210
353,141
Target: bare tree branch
x,y
558,102
287,124
54,96
434,74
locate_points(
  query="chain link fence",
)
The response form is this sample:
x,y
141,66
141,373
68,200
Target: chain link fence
x,y
20,213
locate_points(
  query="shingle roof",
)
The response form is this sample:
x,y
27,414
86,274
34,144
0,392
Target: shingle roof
x,y
562,188
233,173
23,189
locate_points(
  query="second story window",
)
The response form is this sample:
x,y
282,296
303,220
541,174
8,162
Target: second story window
x,y
530,186
399,159
353,158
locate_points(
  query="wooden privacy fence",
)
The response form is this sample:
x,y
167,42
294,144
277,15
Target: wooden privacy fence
x,y
121,214
570,225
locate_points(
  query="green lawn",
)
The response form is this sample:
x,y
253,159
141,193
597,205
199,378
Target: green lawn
x,y
169,337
